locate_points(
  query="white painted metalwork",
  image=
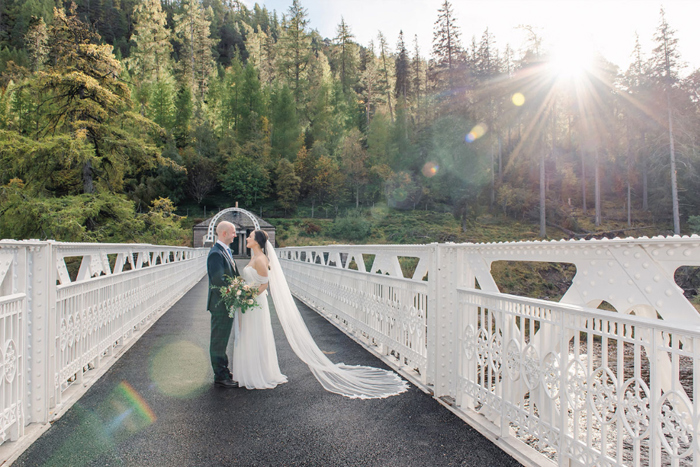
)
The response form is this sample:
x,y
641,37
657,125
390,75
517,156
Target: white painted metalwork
x,y
583,386
55,329
211,237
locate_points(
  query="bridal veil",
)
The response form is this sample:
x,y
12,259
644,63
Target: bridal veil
x,y
361,382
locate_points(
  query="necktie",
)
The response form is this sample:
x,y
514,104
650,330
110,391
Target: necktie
x,y
230,257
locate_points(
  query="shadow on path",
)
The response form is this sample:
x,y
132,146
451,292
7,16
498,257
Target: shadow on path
x,y
157,406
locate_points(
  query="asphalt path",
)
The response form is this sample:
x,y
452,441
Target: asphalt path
x,y
157,406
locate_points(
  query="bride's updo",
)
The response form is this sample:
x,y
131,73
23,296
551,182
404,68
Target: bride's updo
x,y
261,237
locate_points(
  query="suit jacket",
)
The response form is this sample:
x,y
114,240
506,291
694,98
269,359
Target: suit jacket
x,y
218,266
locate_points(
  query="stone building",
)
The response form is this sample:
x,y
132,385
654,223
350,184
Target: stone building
x,y
244,226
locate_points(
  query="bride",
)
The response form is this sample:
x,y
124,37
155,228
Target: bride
x,y
255,357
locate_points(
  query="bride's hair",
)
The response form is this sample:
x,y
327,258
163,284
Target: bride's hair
x,y
261,237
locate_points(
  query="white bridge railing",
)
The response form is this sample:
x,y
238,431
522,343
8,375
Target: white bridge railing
x,y
57,327
582,386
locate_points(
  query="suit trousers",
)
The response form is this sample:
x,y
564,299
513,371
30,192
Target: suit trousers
x,y
221,326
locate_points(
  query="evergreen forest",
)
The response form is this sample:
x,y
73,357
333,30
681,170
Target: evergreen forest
x,y
122,119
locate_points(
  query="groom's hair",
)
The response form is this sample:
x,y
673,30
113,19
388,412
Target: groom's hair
x,y
261,237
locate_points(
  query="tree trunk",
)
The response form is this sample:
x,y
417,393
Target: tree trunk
x,y
583,181
674,181
629,203
645,177
629,185
543,218
369,100
598,216
357,196
493,178
87,178
500,159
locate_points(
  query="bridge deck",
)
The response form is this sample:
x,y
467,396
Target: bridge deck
x,y
157,406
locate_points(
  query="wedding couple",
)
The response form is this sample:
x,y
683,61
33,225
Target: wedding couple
x,y
254,364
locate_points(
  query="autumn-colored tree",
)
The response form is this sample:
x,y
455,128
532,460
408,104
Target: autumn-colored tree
x,y
287,185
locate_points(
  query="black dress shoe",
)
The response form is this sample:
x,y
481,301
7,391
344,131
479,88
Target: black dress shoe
x,y
226,383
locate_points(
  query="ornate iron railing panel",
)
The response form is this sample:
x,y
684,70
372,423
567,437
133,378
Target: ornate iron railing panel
x,y
64,307
580,385
386,312
597,397
12,319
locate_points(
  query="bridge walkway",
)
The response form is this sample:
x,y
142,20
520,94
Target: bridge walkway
x,y
157,406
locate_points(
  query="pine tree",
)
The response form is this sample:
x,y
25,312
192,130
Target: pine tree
x,y
162,103
447,47
287,185
369,81
84,95
192,30
346,55
417,70
36,42
285,126
260,47
386,72
637,82
354,160
665,68
150,59
402,88
294,49
252,105
305,168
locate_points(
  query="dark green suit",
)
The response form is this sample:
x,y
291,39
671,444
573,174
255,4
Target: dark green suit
x,y
218,266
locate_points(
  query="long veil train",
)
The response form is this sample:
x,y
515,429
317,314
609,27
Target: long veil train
x,y
361,382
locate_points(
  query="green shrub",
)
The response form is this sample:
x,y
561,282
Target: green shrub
x,y
353,228
694,224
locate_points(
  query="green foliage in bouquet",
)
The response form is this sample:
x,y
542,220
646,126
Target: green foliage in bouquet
x,y
238,295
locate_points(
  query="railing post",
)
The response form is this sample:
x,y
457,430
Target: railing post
x,y
451,272
432,318
41,299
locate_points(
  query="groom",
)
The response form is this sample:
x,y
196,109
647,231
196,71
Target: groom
x,y
220,264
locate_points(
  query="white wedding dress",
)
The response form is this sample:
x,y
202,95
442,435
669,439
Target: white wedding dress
x,y
254,363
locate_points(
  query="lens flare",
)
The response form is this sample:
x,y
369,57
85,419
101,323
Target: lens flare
x,y
518,99
477,132
180,369
430,169
136,404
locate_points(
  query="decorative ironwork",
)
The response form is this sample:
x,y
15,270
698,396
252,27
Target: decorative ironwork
x,y
210,236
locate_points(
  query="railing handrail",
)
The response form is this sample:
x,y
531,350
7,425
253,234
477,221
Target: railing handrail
x,y
11,297
593,313
371,274
4,242
694,238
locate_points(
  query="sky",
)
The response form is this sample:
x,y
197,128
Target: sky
x,y
605,26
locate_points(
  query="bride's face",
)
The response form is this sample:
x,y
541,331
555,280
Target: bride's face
x,y
250,241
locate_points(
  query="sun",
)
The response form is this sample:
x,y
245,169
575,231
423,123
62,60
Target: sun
x,y
571,56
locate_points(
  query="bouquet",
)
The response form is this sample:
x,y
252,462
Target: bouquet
x,y
238,295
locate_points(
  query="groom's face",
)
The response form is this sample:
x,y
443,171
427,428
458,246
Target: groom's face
x,y
227,233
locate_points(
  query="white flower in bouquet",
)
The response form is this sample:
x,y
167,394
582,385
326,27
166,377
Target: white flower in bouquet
x,y
246,287
250,302
238,292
